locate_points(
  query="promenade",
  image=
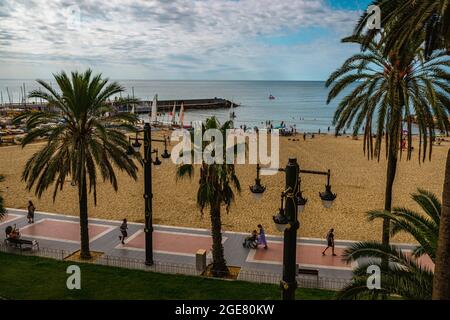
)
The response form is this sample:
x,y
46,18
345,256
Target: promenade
x,y
177,245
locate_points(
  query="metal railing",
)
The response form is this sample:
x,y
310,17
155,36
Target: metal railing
x,y
244,274
139,264
57,254
311,282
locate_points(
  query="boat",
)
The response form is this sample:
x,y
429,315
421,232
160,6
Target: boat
x,y
271,97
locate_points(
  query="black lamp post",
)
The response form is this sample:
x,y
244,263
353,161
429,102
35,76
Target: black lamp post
x,y
257,189
286,221
165,154
147,162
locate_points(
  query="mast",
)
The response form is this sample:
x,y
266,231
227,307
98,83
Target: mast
x,y
154,109
9,96
24,95
132,106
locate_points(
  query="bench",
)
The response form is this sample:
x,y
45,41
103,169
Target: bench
x,y
309,272
22,244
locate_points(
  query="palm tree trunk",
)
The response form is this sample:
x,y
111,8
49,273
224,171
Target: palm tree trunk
x,y
390,177
84,225
219,267
441,285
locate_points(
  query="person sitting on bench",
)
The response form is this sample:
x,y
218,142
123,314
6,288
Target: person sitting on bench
x,y
12,232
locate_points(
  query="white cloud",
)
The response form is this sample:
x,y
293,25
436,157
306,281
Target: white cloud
x,y
161,38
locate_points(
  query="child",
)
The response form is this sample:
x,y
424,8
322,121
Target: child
x,y
262,237
123,230
250,242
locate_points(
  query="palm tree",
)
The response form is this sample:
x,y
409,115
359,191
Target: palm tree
x,y
387,92
403,19
84,140
404,275
2,207
215,189
441,288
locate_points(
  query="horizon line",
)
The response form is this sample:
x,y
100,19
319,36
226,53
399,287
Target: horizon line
x,y
198,80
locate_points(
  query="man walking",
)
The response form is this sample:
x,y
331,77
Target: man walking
x,y
330,242
123,230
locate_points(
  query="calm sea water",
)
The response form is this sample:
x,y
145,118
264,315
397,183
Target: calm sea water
x,y
297,102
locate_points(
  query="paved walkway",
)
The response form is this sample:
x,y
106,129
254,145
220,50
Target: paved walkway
x,y
177,244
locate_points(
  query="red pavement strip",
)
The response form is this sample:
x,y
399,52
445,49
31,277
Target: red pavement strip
x,y
61,230
308,255
10,218
168,242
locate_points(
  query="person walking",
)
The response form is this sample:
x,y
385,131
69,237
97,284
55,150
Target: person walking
x,y
262,236
31,209
330,242
123,230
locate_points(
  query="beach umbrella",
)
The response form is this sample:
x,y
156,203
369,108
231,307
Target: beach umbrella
x,y
154,109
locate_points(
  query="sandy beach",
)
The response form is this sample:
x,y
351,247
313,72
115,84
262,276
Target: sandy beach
x,y
358,182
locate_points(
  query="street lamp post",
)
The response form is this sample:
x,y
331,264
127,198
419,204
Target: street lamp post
x,y
287,220
148,195
257,189
289,283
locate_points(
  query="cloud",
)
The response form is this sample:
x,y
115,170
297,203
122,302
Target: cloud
x,y
155,38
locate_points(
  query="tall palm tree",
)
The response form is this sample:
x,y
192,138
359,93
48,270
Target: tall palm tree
x,y
404,275
403,19
2,207
215,190
388,92
84,140
441,288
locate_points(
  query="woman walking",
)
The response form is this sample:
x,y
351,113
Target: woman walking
x,y
31,210
262,236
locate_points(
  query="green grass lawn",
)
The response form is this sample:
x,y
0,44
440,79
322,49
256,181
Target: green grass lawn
x,y
23,277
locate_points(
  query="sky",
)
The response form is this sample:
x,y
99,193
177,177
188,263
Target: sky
x,y
177,39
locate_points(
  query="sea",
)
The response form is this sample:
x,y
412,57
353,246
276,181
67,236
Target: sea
x,y
297,103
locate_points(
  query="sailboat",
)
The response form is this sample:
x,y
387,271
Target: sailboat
x,y
182,114
174,110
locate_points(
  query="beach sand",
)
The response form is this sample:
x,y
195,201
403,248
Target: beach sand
x,y
358,182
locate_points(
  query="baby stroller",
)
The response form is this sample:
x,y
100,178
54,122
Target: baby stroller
x,y
251,242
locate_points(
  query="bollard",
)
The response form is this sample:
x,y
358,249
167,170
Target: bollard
x,y
200,260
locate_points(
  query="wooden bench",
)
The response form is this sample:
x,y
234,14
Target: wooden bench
x,y
309,272
22,244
